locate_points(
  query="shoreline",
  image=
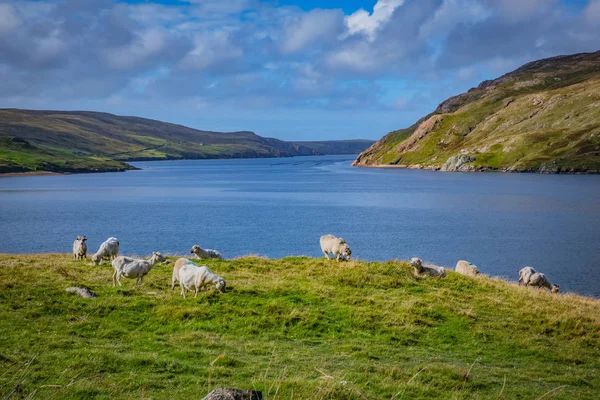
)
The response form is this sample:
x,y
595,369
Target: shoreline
x,y
479,169
32,173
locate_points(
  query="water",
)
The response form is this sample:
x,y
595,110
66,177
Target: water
x,y
280,207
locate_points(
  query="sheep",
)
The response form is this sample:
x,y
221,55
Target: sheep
x,y
134,268
466,268
109,249
524,275
178,264
540,280
190,275
426,270
205,253
335,245
80,248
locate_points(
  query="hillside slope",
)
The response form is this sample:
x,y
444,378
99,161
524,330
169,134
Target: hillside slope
x,y
90,139
295,328
542,117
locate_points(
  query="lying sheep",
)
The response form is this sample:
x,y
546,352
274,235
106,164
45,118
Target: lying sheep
x,y
109,250
525,274
134,268
426,270
80,248
335,245
540,280
466,268
191,275
205,253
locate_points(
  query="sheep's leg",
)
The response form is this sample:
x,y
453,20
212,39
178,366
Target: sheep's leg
x,y
196,294
338,258
119,278
182,289
115,278
326,255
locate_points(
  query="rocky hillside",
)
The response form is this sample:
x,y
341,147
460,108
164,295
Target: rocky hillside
x,y
82,141
542,117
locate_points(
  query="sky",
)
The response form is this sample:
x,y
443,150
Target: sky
x,y
290,69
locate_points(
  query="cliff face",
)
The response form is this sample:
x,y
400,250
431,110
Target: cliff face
x,y
542,117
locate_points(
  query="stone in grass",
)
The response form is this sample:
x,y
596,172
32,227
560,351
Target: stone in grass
x,y
83,292
233,394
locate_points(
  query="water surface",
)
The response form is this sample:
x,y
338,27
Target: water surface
x,y
279,207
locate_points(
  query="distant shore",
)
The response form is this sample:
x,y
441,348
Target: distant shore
x,y
32,173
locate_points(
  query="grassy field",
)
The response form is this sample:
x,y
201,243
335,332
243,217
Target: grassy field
x,y
295,328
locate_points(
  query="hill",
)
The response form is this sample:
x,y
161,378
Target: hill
x,y
295,328
542,117
82,141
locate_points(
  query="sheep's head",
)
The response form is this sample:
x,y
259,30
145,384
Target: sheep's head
x,y
195,249
555,288
96,259
159,257
221,284
416,263
83,238
346,252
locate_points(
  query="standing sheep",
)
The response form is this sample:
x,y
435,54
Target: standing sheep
x,y
541,281
426,270
335,245
466,268
205,253
134,268
524,275
191,275
178,264
80,248
109,250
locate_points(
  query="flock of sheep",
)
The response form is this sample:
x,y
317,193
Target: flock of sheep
x,y
193,277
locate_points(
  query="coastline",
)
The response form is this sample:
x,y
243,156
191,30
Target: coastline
x,y
32,173
478,169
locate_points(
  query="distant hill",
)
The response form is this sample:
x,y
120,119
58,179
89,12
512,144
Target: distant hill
x,y
84,141
542,117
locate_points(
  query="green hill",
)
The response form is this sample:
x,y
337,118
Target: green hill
x,y
542,117
81,141
295,328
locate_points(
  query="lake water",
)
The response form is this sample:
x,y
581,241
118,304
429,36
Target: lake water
x,y
279,207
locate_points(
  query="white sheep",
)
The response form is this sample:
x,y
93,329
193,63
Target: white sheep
x,y
205,253
109,250
540,280
134,268
178,264
191,275
426,270
335,245
524,275
80,248
466,268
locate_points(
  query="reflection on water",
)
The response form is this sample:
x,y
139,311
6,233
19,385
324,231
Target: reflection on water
x,y
279,207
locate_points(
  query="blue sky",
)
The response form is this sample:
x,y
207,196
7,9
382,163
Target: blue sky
x,y
301,70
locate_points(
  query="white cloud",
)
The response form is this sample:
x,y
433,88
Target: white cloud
x,y
147,44
211,49
308,28
368,23
591,13
518,10
9,19
452,13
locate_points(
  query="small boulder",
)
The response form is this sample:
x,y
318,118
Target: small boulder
x,y
83,292
233,394
458,163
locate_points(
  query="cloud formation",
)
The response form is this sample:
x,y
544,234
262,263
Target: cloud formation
x,y
232,65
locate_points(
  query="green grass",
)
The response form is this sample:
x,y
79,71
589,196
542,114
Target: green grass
x,y
295,328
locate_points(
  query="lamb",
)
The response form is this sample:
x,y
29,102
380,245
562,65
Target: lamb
x,y
335,245
109,249
205,253
80,248
540,280
191,275
466,268
134,268
524,275
426,270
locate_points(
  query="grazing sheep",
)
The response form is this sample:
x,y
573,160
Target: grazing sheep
x,y
178,264
540,280
525,274
134,268
335,245
80,248
191,275
466,268
205,253
427,270
109,250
